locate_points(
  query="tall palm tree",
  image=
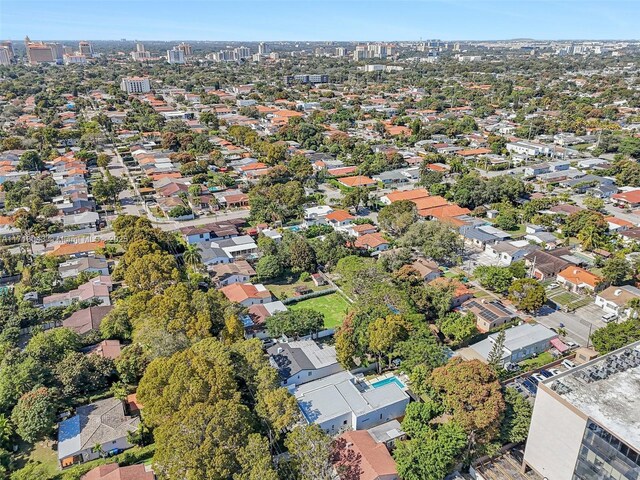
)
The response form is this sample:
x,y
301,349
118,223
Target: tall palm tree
x,y
192,256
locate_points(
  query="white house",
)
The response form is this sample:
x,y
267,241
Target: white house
x,y
303,361
101,423
342,402
616,299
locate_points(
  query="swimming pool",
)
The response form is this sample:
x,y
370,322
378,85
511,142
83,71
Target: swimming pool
x,y
387,381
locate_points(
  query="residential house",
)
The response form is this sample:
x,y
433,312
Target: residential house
x,y
76,249
616,299
547,264
254,323
521,342
428,269
357,181
393,177
97,289
105,349
361,229
473,235
225,274
240,247
247,294
579,280
398,196
618,224
303,361
373,242
364,458
87,320
102,423
112,471
489,314
316,215
339,218
81,221
508,252
627,199
88,265
342,402
460,291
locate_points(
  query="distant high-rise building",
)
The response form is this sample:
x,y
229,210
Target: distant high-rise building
x,y
135,84
140,55
186,49
39,52
263,48
5,56
341,51
175,56
140,47
85,48
9,46
242,52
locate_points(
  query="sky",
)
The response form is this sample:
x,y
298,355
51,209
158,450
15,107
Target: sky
x,y
318,20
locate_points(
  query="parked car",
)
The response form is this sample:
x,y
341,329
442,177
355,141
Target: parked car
x,y
539,377
572,344
551,286
568,364
530,386
554,371
609,317
546,373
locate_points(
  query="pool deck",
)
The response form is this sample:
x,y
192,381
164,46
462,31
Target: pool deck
x,y
402,378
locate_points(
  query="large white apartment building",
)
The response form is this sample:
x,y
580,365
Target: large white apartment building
x,y
135,84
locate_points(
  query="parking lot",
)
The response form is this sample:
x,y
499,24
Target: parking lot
x,y
579,324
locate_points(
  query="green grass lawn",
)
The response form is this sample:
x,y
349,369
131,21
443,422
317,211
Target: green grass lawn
x,y
332,306
284,286
536,362
37,453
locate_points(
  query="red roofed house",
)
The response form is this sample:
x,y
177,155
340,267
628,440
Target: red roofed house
x,y
373,242
398,196
113,471
339,218
578,279
461,293
629,199
247,294
357,181
76,249
362,458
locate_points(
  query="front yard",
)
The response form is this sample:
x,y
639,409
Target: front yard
x,y
332,306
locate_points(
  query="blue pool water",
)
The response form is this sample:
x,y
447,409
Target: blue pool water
x,y
387,381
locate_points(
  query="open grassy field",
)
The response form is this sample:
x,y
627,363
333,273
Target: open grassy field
x,y
332,306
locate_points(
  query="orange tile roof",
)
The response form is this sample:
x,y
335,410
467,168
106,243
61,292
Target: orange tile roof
x,y
253,166
370,240
362,453
238,292
444,212
74,248
288,113
6,220
357,181
341,171
407,195
436,168
578,275
394,130
340,216
619,221
473,151
429,202
632,196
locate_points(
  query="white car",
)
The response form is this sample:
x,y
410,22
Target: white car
x,y
551,286
568,364
609,317
554,371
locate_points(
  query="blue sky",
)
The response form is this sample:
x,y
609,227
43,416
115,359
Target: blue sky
x,y
318,19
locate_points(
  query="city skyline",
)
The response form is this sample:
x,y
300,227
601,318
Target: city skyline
x,y
354,20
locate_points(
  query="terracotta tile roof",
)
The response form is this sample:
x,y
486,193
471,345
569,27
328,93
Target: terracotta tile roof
x,y
619,221
444,211
341,171
370,240
578,276
357,181
407,195
632,196
340,216
429,202
114,472
437,168
238,292
75,248
363,454
473,151
461,288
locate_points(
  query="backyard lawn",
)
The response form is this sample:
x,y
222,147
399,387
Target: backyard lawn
x,y
333,306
